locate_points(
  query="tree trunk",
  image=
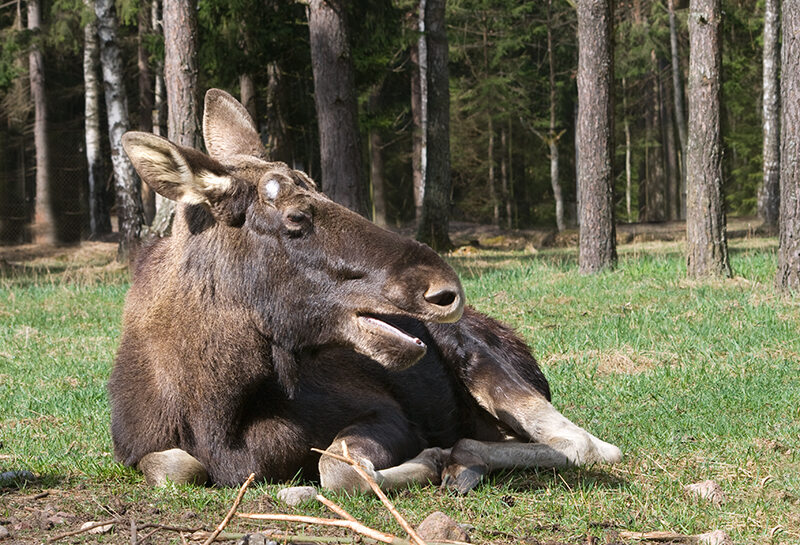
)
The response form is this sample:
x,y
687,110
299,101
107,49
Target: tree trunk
x,y
628,174
672,209
435,218
769,193
336,104
504,179
419,111
160,92
788,277
145,98
180,77
707,247
99,219
247,92
677,95
376,175
129,201
552,142
598,249
278,143
44,229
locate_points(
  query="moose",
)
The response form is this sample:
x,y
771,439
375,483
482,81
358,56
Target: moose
x,y
273,321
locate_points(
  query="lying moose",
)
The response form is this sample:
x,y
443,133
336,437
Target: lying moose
x,y
274,320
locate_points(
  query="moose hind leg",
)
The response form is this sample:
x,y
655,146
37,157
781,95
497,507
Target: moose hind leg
x,y
504,392
386,446
173,465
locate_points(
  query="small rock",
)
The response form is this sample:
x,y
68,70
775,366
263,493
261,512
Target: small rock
x,y
4,533
439,527
707,490
717,537
104,529
296,495
15,478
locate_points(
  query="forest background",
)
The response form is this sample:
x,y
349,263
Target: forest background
x,y
513,103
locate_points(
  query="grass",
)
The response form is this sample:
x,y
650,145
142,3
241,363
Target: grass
x,y
693,379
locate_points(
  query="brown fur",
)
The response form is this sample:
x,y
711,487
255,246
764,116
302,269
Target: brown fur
x,y
274,320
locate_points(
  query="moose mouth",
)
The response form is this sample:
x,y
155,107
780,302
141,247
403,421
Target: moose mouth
x,y
382,339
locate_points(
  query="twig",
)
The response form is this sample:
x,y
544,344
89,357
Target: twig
x,y
82,530
349,524
134,536
335,508
378,492
229,516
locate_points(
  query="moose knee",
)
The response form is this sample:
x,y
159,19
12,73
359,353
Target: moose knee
x,y
174,465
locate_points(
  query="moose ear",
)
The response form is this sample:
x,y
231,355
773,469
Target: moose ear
x,y
177,173
228,129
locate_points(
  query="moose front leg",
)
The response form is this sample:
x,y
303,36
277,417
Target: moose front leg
x,y
389,455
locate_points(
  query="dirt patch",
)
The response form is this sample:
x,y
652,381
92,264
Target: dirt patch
x,y
626,361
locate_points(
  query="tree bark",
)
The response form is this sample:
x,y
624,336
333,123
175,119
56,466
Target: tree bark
x,y
180,77
788,276
278,144
419,111
628,173
376,174
598,248
247,92
435,219
145,97
129,200
336,104
160,92
44,229
99,219
680,111
769,193
552,141
707,247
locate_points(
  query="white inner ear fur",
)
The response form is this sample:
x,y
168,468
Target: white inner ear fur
x,y
272,188
202,183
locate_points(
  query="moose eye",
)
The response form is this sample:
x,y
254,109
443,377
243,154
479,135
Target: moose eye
x,y
297,221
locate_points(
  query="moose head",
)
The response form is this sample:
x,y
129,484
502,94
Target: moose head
x,y
300,270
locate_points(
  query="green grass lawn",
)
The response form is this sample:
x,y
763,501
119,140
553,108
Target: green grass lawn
x,y
693,379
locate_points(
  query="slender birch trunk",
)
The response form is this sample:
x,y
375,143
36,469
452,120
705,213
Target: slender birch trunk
x,y
129,200
769,193
99,220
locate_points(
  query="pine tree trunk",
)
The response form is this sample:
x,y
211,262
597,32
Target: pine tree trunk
x,y
680,111
769,193
247,93
552,142
44,229
788,276
336,104
435,218
669,151
376,175
278,144
160,91
145,98
707,247
129,200
598,248
99,219
180,77
504,180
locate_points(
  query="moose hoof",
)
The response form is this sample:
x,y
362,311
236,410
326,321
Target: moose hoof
x,y
465,468
174,465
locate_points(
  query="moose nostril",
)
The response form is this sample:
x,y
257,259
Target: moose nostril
x,y
440,297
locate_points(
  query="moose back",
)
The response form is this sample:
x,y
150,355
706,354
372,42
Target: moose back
x,y
274,320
